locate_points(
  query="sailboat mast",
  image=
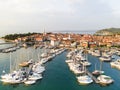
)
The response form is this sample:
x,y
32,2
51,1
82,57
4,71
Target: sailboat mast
x,y
10,63
38,57
86,57
100,65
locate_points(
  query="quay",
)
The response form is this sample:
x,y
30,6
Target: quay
x,y
93,77
7,43
9,49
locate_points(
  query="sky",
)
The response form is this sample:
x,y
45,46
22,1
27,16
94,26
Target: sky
x,y
21,16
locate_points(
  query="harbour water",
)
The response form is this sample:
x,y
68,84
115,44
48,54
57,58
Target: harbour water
x,y
57,75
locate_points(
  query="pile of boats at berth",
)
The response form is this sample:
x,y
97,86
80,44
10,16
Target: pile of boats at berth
x,y
105,55
78,63
30,71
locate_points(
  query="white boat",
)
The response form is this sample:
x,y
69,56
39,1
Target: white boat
x,y
35,76
5,76
113,56
38,68
30,82
97,72
11,81
84,80
14,77
118,53
69,61
76,68
43,55
11,78
96,53
106,59
86,63
115,64
105,54
44,60
79,70
52,51
105,80
69,55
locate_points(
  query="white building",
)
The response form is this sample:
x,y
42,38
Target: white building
x,y
54,42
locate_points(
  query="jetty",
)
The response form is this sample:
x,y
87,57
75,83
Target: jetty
x,y
7,43
93,77
9,49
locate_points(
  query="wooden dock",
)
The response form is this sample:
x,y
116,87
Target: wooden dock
x,y
93,77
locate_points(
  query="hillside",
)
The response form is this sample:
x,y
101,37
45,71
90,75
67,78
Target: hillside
x,y
110,31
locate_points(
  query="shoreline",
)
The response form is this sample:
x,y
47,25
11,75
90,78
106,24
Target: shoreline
x,y
6,40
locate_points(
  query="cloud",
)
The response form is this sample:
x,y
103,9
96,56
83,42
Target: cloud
x,y
114,5
31,15
74,1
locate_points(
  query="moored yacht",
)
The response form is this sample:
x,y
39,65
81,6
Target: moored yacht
x,y
25,63
116,64
30,82
35,76
105,80
84,79
97,72
106,59
43,55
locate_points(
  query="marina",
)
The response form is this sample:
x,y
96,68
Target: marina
x,y
30,71
80,65
59,45
58,65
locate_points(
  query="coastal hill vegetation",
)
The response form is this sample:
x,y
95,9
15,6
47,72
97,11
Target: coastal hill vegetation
x,y
109,31
15,36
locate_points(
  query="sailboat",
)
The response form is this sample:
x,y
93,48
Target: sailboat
x,y
86,62
104,79
98,72
84,79
26,63
37,67
12,77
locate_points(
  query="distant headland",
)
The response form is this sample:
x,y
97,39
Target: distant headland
x,y
109,31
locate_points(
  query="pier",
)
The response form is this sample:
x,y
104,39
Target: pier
x,y
7,43
93,77
9,49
